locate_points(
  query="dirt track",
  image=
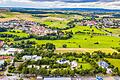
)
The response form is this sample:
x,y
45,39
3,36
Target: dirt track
x,y
107,50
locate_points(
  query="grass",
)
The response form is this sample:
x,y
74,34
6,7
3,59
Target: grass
x,y
85,29
56,24
115,62
86,66
114,31
85,41
17,32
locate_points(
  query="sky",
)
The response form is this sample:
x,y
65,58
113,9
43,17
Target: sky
x,y
106,4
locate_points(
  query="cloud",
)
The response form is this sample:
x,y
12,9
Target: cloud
x,y
69,1
1,1
77,1
108,4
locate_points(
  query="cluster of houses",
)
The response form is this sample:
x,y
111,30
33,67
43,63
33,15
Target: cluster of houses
x,y
105,65
6,52
4,9
41,30
3,59
101,23
27,26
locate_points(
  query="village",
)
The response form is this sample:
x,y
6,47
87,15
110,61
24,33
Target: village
x,y
27,26
101,22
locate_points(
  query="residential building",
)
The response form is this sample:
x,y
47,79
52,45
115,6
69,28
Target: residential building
x,y
74,64
1,43
103,64
31,57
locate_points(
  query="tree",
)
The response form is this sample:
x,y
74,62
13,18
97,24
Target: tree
x,y
43,71
32,70
50,46
116,70
20,79
79,46
64,46
25,70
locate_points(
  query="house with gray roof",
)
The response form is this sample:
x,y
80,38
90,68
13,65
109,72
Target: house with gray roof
x,y
103,64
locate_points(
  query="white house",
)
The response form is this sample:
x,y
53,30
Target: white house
x,y
10,51
1,62
31,57
26,57
13,50
109,71
39,78
35,66
74,64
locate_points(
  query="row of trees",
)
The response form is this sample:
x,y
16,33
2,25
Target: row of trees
x,y
3,29
8,35
53,37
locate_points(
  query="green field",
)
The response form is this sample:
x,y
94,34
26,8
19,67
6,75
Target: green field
x,y
85,41
17,33
56,24
115,62
114,31
85,29
84,64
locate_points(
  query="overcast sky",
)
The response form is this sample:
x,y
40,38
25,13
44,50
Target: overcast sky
x,y
107,4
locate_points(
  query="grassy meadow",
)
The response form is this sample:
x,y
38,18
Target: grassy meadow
x,y
115,62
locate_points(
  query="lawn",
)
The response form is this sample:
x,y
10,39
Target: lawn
x,y
115,62
85,65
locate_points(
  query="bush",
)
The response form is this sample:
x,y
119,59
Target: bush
x,y
64,46
96,43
